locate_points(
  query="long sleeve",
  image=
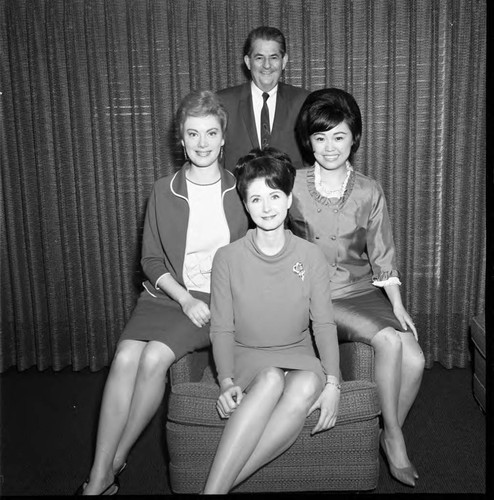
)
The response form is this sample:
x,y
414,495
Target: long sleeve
x,y
222,320
321,314
153,256
380,244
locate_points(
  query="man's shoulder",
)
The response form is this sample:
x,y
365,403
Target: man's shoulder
x,y
292,90
286,89
233,91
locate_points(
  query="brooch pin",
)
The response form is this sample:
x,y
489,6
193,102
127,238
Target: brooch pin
x,y
298,268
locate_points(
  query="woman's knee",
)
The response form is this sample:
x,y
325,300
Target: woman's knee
x,y
271,378
156,359
387,339
304,386
127,355
413,356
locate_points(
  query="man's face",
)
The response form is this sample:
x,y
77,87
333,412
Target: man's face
x,y
266,63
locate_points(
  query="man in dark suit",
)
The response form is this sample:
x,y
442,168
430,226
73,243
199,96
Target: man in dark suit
x,y
262,112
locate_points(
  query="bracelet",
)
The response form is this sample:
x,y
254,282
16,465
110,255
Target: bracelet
x,y
335,384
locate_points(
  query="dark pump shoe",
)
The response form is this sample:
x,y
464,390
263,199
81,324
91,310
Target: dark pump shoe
x,y
109,490
405,475
115,484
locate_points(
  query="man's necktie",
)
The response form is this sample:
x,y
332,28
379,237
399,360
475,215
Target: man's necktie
x,y
265,128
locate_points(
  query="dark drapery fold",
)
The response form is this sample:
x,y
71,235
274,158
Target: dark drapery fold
x,y
88,94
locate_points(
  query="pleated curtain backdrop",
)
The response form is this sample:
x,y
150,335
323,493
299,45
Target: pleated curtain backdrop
x,y
89,89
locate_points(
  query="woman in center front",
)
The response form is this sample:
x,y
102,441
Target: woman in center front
x,y
266,289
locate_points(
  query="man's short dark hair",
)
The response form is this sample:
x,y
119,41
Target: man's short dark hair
x,y
265,33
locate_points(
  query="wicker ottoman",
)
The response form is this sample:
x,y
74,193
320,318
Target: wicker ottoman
x,y
341,459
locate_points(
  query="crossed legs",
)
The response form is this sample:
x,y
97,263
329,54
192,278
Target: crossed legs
x,y
265,424
133,392
399,365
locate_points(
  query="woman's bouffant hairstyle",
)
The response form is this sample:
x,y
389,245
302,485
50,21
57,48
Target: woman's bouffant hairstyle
x,y
268,163
323,110
200,103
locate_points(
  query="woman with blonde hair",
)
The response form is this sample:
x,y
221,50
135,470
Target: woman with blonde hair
x,y
190,214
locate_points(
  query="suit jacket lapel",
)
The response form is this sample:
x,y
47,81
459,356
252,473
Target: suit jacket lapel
x,y
247,114
281,113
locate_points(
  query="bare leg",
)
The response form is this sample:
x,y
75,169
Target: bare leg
x,y
156,359
244,429
412,369
388,371
114,412
287,420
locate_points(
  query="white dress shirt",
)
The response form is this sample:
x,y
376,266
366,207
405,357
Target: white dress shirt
x,y
257,103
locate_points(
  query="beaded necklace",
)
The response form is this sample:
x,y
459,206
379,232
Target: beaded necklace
x,y
331,193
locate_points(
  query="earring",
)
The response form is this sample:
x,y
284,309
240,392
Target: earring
x,y
220,156
185,153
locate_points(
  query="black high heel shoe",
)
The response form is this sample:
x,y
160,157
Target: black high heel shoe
x,y
112,489
116,483
405,475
